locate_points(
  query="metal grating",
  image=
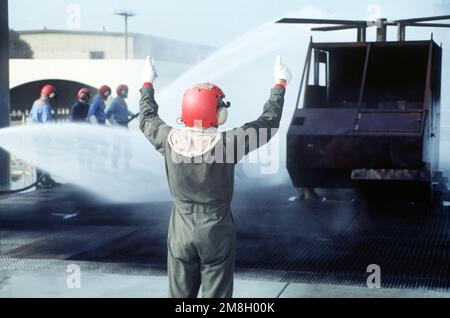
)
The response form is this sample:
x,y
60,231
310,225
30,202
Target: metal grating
x,y
327,243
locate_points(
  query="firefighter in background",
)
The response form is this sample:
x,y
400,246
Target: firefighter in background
x,y
80,109
41,113
96,113
118,113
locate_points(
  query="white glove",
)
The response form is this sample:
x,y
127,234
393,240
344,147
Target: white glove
x,y
281,72
149,72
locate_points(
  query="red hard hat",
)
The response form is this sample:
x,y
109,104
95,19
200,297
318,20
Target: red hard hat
x,y
104,90
200,105
120,88
49,91
83,91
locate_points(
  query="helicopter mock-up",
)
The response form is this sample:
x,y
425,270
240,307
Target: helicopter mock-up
x,y
368,113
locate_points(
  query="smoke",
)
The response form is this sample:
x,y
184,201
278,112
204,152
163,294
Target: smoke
x,y
243,69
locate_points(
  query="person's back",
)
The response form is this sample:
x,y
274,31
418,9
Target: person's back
x,y
41,111
79,112
200,164
118,113
96,111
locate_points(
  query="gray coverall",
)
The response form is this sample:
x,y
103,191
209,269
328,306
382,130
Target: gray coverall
x,y
201,238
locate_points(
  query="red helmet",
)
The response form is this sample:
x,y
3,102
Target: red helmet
x,y
49,91
120,89
84,93
200,105
104,91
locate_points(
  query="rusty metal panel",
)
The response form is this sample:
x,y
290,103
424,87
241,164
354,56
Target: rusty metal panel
x,y
389,122
390,174
330,121
388,133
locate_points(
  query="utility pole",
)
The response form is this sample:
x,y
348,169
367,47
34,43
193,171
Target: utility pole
x,y
4,88
126,15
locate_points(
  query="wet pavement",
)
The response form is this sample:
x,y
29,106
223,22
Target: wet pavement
x,y
292,248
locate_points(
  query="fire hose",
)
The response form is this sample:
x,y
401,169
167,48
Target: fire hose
x,y
133,117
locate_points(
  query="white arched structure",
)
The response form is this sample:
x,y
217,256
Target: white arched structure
x,y
93,73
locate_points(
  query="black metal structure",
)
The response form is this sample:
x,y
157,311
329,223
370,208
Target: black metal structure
x,y
4,88
371,110
381,25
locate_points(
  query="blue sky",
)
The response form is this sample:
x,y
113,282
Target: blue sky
x,y
210,22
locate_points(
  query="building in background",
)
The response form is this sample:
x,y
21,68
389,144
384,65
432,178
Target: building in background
x,y
74,59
